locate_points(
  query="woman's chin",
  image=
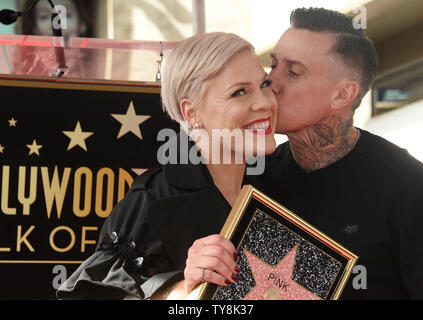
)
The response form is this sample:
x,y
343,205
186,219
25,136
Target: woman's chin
x,y
262,150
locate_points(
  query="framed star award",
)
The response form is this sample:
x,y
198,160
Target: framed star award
x,y
281,257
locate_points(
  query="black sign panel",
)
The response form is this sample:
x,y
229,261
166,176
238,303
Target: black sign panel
x,y
68,153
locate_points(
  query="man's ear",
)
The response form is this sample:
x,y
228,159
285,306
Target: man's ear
x,y
189,111
345,93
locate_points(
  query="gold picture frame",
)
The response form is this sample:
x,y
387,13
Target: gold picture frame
x,y
280,255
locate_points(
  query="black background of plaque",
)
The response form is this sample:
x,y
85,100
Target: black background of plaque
x,y
42,114
242,229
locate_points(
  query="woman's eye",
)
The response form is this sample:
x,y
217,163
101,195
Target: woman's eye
x,y
273,66
238,93
266,84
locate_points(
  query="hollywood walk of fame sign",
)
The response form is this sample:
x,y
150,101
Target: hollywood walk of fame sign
x,y
69,151
281,256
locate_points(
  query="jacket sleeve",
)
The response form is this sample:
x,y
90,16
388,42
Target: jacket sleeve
x,y
129,260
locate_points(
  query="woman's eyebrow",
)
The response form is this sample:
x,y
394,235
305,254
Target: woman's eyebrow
x,y
240,84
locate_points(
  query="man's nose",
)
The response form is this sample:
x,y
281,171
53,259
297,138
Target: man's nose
x,y
276,82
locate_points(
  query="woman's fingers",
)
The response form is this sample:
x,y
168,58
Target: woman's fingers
x,y
217,239
218,266
216,256
214,277
194,276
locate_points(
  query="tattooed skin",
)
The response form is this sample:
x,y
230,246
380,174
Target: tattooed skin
x,y
323,144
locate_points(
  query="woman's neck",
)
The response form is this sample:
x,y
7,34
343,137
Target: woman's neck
x,y
228,179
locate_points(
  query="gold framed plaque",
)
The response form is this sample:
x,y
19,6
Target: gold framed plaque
x,y
281,256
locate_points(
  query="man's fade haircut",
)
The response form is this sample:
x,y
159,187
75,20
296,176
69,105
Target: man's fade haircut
x,y
352,45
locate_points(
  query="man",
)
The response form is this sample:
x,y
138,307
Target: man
x,y
357,188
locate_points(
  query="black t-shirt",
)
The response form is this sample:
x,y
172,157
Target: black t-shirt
x,y
370,202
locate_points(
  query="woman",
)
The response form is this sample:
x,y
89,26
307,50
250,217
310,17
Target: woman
x,y
167,226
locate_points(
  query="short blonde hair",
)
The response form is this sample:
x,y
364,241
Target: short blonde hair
x,y
192,63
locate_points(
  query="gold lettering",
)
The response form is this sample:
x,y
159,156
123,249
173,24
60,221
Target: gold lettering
x,y
55,191
23,239
26,202
5,249
124,177
103,213
53,233
83,239
77,192
5,192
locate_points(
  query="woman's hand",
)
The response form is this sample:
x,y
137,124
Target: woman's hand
x,y
211,259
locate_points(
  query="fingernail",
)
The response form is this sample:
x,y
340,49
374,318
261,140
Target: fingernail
x,y
227,282
235,256
237,270
235,277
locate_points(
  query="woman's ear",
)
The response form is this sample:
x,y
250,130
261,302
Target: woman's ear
x,y
189,111
345,94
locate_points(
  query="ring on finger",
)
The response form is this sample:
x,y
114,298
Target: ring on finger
x,y
202,274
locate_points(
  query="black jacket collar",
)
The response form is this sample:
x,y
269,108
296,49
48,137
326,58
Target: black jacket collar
x,y
188,176
196,210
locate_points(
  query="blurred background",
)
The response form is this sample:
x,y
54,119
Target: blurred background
x,y
392,109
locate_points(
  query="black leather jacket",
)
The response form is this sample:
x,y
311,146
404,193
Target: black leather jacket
x,y
149,232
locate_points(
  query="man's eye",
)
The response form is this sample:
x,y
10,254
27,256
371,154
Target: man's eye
x,y
238,93
266,83
273,66
293,74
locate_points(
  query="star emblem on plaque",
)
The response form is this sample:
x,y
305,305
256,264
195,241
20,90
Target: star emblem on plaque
x,y
275,283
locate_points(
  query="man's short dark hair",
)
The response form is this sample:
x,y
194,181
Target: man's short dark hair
x,y
352,45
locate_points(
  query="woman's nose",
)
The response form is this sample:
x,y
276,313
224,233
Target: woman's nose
x,y
264,100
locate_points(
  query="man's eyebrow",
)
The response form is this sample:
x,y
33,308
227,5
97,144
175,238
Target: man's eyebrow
x,y
288,61
295,62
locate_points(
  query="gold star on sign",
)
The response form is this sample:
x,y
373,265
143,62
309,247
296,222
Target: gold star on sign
x,y
1,148
34,148
12,122
77,137
130,122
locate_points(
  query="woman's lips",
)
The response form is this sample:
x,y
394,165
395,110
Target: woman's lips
x,y
260,126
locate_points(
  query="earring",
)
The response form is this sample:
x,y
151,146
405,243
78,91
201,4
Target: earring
x,y
196,126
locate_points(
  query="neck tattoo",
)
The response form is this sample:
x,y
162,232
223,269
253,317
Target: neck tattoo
x,y
323,144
